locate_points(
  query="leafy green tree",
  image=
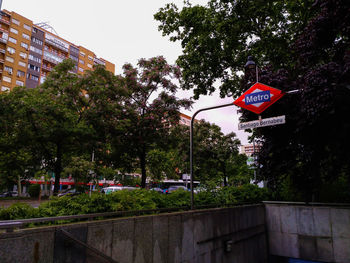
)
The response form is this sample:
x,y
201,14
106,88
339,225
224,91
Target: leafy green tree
x,y
17,157
301,45
162,164
80,169
217,38
150,116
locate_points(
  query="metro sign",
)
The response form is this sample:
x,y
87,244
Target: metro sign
x,y
258,98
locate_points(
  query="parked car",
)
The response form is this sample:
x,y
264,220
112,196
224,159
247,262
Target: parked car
x,y
111,189
175,188
70,192
157,189
6,194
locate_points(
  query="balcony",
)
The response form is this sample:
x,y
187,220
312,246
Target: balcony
x,y
4,30
3,40
99,61
46,67
2,50
52,43
4,20
2,61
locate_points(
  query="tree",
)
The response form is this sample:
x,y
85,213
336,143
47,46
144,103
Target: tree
x,y
299,45
150,120
217,38
52,116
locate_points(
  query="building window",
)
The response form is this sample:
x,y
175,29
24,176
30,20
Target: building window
x,y
24,45
11,50
4,88
25,36
8,69
32,77
82,54
15,31
13,40
90,58
89,65
20,73
15,21
81,61
36,50
22,64
74,58
7,79
25,26
9,59
37,41
23,55
36,59
19,83
33,67
80,69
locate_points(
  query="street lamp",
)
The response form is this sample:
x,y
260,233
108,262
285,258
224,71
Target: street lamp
x,y
251,65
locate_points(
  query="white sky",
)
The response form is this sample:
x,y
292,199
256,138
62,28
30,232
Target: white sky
x,y
122,31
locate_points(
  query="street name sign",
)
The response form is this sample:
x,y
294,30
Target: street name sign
x,y
262,123
258,98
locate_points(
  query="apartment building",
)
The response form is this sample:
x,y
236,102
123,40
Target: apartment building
x,y
29,52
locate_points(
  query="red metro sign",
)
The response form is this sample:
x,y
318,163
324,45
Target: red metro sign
x,y
258,98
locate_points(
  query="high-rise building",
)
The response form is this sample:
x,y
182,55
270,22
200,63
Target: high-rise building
x,y
28,53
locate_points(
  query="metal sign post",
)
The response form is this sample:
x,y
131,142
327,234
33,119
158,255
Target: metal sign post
x,y
191,144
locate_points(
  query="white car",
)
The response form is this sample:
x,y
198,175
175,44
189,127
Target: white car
x,y
111,189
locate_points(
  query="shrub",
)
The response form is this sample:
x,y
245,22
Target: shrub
x,y
18,211
34,190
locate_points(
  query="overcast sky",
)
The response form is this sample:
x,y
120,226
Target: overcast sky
x,y
121,31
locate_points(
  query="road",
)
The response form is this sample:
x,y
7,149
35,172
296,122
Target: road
x,y
32,202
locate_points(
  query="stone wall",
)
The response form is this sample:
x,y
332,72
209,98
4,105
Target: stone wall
x,y
234,234
311,232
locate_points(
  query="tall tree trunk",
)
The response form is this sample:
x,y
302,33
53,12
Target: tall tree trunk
x,y
58,168
143,168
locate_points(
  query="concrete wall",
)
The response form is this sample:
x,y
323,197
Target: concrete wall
x,y
194,236
320,233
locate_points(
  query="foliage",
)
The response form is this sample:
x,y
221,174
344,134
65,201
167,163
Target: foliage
x,y
217,38
18,211
298,45
80,169
34,190
150,120
139,199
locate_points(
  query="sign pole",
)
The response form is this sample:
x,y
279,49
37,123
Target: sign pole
x,y
191,144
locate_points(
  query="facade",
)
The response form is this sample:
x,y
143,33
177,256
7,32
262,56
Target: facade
x,y
29,52
250,149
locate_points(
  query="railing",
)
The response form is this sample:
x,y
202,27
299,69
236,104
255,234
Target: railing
x,y
11,225
4,30
50,60
56,45
46,68
7,22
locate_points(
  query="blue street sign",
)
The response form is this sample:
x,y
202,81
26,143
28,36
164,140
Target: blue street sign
x,y
257,97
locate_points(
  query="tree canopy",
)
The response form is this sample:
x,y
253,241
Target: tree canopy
x,y
298,45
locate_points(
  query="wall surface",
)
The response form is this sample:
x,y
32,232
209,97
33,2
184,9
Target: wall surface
x,y
194,236
320,233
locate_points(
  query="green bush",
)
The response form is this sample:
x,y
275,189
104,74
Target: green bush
x,y
139,199
18,211
34,190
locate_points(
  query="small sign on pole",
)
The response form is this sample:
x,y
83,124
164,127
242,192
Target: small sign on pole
x,y
262,123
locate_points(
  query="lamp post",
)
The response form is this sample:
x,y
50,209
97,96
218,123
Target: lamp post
x,y
251,65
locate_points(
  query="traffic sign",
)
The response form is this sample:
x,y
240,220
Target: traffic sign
x,y
258,98
262,123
